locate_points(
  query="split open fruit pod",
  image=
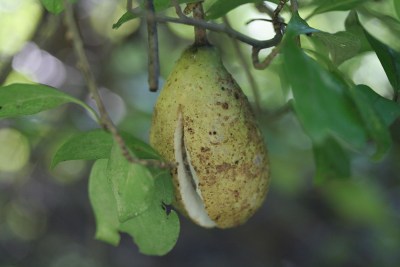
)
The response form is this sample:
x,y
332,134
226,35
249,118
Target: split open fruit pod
x,y
203,122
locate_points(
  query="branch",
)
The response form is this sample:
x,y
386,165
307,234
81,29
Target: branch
x,y
279,25
152,39
178,9
106,122
212,27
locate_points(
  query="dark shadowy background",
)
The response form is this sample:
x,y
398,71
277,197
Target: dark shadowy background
x,y
45,215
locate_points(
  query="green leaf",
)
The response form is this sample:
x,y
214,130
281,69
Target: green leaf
x,y
353,26
53,6
26,99
141,149
320,98
373,121
335,5
103,204
156,230
342,45
331,160
221,7
387,21
96,144
387,110
297,26
90,145
127,16
133,185
164,189
396,4
389,58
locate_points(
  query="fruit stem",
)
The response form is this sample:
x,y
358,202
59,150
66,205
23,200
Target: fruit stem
x,y
200,34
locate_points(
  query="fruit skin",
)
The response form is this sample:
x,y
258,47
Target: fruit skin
x,y
224,143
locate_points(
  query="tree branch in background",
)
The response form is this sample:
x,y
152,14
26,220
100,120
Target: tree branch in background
x,y
106,122
152,39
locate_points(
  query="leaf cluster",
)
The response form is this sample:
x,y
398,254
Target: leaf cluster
x,y
125,197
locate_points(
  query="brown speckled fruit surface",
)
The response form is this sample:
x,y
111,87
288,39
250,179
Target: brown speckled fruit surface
x,y
224,143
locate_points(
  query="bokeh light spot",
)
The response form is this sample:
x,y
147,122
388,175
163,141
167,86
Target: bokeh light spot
x,y
15,150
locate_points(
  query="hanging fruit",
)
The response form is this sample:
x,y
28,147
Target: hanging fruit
x,y
203,122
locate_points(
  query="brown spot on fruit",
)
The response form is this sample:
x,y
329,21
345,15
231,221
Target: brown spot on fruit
x,y
204,149
223,167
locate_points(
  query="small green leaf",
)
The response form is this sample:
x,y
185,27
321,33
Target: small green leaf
x,y
335,5
297,26
133,185
389,58
53,6
103,204
387,110
342,45
26,99
320,98
221,7
90,145
331,161
156,230
127,16
373,122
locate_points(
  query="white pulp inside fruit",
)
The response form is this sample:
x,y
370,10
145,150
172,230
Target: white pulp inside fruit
x,y
188,180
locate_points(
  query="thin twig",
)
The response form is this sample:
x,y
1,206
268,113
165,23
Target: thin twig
x,y
253,85
274,14
152,37
106,122
264,8
178,9
267,61
278,24
213,27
